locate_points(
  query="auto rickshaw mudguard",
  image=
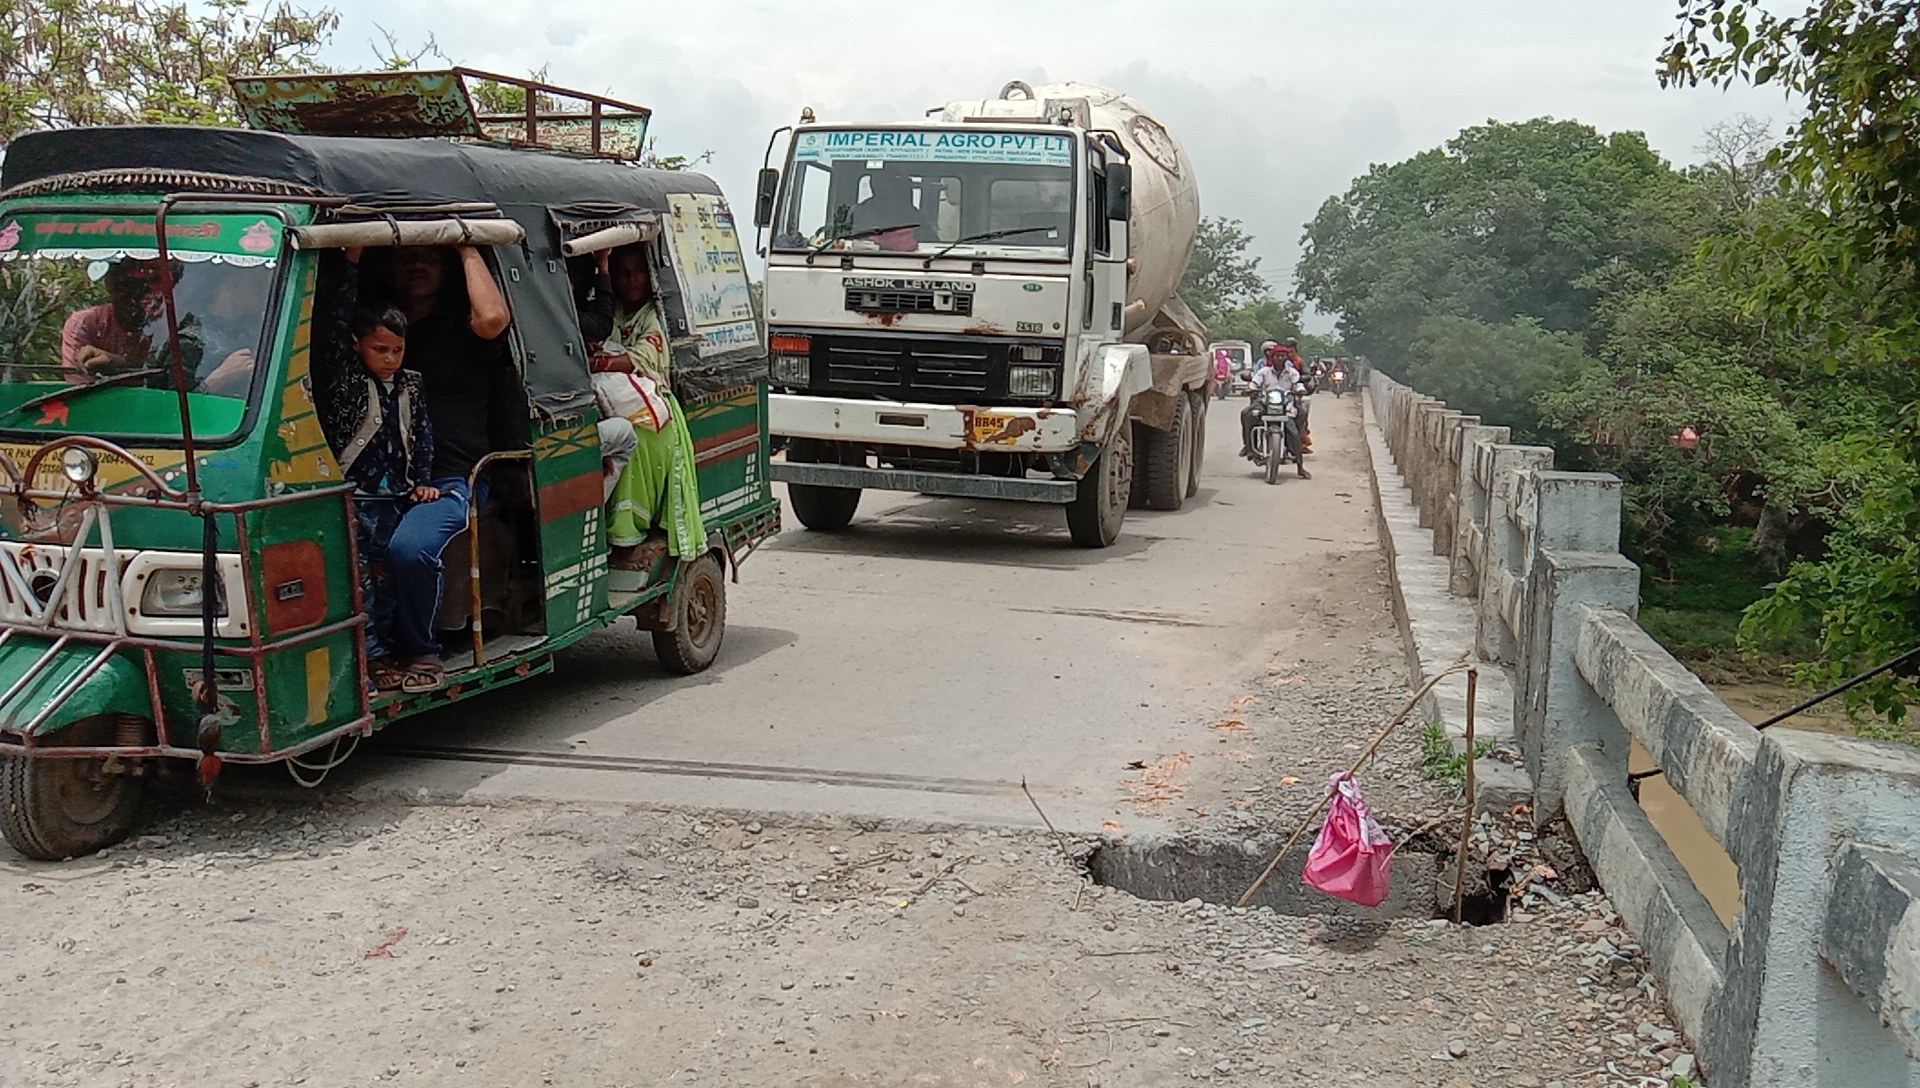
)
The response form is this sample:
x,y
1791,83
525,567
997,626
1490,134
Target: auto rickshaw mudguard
x,y
117,686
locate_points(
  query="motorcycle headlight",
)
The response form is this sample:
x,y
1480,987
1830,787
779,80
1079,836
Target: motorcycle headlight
x,y
176,592
1031,381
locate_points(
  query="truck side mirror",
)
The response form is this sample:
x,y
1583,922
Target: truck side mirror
x,y
1119,190
764,190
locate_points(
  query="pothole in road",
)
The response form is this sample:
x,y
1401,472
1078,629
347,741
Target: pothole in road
x,y
1219,871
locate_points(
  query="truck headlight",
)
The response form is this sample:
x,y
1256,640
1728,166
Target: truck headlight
x,y
792,370
1032,381
176,592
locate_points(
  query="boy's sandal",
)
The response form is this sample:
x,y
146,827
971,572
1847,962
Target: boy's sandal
x,y
386,676
426,675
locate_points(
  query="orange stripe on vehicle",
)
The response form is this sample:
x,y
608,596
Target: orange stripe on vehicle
x,y
726,438
573,495
733,451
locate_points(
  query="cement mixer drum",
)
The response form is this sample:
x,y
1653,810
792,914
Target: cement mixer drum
x,y
1166,195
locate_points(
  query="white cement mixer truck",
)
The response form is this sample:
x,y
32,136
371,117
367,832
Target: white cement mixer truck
x,y
982,304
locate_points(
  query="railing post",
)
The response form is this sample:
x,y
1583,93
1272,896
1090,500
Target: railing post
x,y
1470,506
1505,551
1423,455
1446,479
1823,956
1576,563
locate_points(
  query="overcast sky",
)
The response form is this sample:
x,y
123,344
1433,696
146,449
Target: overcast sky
x,y
1280,104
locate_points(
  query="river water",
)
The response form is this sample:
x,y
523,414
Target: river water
x,y
1712,870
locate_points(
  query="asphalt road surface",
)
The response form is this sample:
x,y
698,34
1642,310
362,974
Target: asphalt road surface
x,y
917,666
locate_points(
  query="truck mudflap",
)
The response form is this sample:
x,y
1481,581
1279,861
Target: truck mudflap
x,y
47,683
1108,383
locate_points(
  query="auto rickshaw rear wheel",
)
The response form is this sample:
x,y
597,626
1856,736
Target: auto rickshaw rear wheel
x,y
699,618
52,808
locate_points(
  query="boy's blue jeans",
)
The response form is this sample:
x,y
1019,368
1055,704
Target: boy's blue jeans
x,y
400,547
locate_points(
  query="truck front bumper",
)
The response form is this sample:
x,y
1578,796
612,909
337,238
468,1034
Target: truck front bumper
x,y
932,426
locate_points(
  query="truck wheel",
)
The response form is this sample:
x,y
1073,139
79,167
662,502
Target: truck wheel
x,y
699,619
65,808
822,509
1166,459
1100,503
1199,432
1275,444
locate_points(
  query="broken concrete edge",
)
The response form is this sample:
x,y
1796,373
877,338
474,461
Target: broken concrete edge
x,y
1436,627
1682,936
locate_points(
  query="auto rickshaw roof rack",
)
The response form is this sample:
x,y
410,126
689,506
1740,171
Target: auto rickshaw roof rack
x,y
517,112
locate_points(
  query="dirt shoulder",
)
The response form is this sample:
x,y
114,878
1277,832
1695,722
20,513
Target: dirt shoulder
x,y
344,944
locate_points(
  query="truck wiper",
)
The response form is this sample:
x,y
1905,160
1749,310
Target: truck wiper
x,y
98,383
983,236
816,250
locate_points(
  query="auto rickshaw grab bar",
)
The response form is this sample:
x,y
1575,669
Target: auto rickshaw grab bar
x,y
473,544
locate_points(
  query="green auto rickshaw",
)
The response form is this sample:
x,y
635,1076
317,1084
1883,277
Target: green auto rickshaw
x,y
178,568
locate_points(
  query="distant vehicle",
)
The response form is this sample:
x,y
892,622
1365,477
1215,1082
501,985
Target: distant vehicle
x,y
1239,363
982,304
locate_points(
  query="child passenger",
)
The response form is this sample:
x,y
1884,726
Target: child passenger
x,y
380,432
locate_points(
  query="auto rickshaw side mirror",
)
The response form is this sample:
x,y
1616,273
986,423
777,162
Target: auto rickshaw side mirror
x,y
764,190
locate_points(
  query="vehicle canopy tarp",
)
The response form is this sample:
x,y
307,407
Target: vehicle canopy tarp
x,y
542,191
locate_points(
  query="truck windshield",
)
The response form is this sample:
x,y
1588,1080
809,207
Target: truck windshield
x,y
972,193
83,333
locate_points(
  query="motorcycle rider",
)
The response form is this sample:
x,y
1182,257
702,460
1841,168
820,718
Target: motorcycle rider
x,y
1277,373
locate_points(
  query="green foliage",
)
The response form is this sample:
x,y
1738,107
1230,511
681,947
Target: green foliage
x,y
1441,762
1495,371
1504,221
1262,319
1627,423
97,62
1221,276
1843,272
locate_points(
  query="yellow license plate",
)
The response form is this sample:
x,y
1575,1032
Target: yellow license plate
x,y
992,428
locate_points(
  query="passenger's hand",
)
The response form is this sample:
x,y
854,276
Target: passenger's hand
x,y
353,254
425,493
235,365
603,261
91,358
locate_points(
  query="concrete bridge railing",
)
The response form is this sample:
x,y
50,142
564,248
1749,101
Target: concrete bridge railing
x,y
1817,984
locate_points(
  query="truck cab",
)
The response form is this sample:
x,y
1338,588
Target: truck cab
x,y
947,307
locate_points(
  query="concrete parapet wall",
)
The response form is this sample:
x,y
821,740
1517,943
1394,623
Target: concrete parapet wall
x,y
1817,983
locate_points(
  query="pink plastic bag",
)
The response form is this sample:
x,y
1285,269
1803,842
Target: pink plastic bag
x,y
1353,857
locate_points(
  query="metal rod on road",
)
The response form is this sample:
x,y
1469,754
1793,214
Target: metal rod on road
x,y
1466,827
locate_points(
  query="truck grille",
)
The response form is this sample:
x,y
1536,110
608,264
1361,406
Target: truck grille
x,y
903,368
957,303
933,369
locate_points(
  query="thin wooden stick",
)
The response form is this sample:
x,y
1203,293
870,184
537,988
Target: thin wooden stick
x,y
1398,720
1466,828
1057,837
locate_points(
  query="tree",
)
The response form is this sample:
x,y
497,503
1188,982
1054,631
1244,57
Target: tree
x,y
97,62
1493,371
1262,319
1505,220
1220,276
1845,272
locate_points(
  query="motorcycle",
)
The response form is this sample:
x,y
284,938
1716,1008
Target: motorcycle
x,y
1338,381
1277,438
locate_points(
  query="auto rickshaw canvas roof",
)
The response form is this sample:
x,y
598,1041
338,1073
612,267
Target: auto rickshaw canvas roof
x,y
370,171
